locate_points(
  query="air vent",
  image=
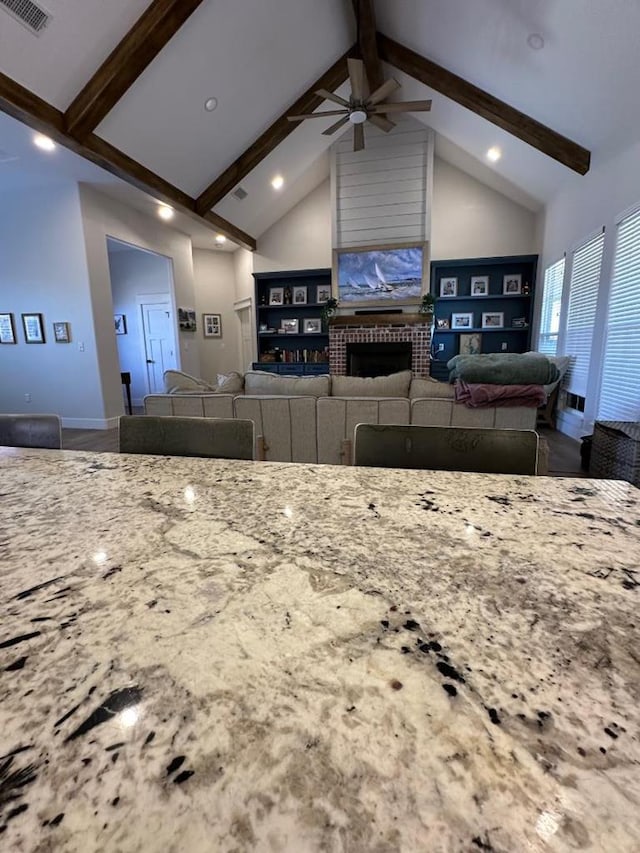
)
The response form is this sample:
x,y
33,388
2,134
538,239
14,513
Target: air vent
x,y
5,157
239,193
34,17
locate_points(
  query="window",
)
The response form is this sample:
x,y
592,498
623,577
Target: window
x,y
620,390
550,314
583,295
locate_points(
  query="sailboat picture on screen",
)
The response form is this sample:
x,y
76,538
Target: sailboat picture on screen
x,y
380,275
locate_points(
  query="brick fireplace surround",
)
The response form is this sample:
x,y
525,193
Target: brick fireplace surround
x,y
380,328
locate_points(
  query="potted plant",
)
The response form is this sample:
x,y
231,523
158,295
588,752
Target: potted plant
x,y
329,309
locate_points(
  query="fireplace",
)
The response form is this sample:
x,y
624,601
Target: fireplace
x,y
377,332
378,359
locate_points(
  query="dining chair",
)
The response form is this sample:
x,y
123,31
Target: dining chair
x,y
472,449
166,435
31,431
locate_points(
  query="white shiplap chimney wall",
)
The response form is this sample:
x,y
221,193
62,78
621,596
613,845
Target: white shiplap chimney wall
x,y
382,195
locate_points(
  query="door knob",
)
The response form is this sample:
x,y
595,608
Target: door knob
x,y
150,361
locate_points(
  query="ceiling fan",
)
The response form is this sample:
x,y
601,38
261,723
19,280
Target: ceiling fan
x,y
363,106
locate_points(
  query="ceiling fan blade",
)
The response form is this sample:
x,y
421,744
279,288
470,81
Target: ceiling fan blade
x,y
357,78
402,107
381,122
329,96
319,115
383,92
358,137
335,126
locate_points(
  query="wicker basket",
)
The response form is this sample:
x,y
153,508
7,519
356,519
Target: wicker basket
x,y
616,451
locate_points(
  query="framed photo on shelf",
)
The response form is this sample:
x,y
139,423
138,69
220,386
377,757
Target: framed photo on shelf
x,y
300,295
323,293
448,287
442,323
276,296
33,328
290,326
512,285
462,321
61,333
479,285
7,329
312,325
492,320
120,323
212,325
471,344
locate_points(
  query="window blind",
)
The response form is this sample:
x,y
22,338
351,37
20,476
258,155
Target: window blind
x,y
583,295
620,389
550,314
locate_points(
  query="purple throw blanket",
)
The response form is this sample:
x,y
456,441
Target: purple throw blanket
x,y
483,395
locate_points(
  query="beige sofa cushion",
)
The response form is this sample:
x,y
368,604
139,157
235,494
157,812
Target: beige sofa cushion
x,y
430,388
395,385
338,416
190,405
287,425
441,412
271,384
230,383
177,382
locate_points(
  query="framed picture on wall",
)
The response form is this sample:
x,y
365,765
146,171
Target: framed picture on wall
x,y
380,275
61,333
33,328
7,329
471,344
212,325
120,323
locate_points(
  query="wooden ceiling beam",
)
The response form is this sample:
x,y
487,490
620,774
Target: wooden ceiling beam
x,y
30,109
273,136
527,129
366,28
144,41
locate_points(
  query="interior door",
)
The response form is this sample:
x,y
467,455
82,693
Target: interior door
x,y
246,337
157,324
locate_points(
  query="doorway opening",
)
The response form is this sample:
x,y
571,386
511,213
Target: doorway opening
x,y
144,317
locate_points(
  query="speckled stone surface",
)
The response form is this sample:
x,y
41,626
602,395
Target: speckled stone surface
x,y
199,655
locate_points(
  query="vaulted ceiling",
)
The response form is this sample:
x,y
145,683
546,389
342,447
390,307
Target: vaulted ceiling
x,y
553,83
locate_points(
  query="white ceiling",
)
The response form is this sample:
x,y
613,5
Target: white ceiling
x,y
257,56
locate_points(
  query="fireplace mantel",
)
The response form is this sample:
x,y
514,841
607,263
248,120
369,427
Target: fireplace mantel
x,y
381,320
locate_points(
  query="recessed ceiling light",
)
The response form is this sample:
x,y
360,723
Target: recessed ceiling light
x,y
210,104
494,154
535,41
165,212
43,142
278,182
220,239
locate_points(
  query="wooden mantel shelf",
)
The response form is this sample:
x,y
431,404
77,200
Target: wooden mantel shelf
x,y
381,320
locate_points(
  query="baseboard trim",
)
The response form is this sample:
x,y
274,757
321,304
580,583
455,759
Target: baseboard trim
x,y
90,423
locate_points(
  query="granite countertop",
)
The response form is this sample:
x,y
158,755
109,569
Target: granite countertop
x,y
200,655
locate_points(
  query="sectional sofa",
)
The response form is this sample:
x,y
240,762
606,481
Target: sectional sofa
x,y
312,418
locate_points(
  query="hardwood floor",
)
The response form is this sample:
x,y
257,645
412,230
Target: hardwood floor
x,y
564,452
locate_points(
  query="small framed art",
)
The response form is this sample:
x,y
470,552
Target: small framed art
x,y
442,323
187,319
448,287
492,320
462,321
212,325
290,326
7,329
300,295
33,328
512,285
276,296
312,325
323,293
61,333
479,285
471,344
120,323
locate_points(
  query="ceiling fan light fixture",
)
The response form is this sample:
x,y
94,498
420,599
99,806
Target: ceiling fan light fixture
x,y
277,182
357,116
494,154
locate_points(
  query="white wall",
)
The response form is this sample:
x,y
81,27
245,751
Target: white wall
x,y
471,220
104,217
301,239
43,269
214,277
136,273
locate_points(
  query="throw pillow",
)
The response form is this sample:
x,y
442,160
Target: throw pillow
x,y
230,383
177,382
